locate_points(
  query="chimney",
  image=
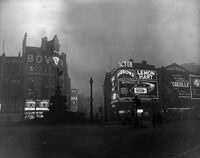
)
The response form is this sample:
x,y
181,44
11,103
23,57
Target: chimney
x,y
24,44
131,60
44,43
144,62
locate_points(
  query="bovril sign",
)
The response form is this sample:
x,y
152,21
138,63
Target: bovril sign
x,y
43,59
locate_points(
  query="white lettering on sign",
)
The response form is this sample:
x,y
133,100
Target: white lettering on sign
x,y
30,58
127,72
47,59
125,64
180,84
146,74
140,90
39,59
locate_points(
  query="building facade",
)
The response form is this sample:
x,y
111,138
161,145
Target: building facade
x,y
41,68
11,88
126,81
171,88
28,81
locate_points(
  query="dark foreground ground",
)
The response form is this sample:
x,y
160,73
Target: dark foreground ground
x,y
174,140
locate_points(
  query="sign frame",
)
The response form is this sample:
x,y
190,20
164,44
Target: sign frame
x,y
190,80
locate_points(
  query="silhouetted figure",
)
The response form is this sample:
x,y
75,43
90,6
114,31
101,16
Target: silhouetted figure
x,y
154,120
136,103
159,119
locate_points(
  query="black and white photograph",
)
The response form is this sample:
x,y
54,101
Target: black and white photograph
x,y
99,78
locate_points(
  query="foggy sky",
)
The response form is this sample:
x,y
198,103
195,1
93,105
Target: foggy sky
x,y
95,32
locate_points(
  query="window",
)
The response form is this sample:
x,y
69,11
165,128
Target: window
x,y
31,68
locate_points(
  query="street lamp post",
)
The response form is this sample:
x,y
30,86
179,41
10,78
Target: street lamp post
x,y
91,100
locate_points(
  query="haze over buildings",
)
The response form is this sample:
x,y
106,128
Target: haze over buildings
x,y
92,32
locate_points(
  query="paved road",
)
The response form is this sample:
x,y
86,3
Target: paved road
x,y
176,140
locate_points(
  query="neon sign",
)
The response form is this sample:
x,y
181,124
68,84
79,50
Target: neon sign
x,y
127,72
146,74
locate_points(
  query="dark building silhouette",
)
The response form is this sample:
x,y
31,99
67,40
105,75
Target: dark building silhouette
x,y
28,81
170,88
11,88
41,76
107,89
123,83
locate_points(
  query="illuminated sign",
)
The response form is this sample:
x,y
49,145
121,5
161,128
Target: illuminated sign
x,y
146,74
56,60
139,90
195,86
125,64
40,59
128,89
180,83
40,105
114,96
137,74
129,73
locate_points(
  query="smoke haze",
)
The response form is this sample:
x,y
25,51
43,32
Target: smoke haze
x,y
95,32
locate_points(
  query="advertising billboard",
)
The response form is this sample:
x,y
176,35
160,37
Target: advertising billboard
x,y
137,74
195,86
39,56
144,89
37,108
127,82
180,83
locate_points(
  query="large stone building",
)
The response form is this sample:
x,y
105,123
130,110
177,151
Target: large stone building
x,y
29,80
41,75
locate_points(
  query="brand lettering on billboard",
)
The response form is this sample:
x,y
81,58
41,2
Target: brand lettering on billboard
x,y
180,84
39,59
125,64
146,74
127,72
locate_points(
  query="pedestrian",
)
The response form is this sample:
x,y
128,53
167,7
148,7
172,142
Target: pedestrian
x,y
159,119
154,120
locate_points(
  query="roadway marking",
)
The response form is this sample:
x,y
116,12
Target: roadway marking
x,y
187,151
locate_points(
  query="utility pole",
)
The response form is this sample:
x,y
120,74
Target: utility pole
x,y
91,101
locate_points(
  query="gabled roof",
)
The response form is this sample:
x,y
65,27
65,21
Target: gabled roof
x,y
175,67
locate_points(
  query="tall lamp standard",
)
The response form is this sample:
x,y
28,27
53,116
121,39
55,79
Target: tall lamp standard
x,y
91,100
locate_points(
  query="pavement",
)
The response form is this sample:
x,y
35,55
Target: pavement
x,y
173,140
